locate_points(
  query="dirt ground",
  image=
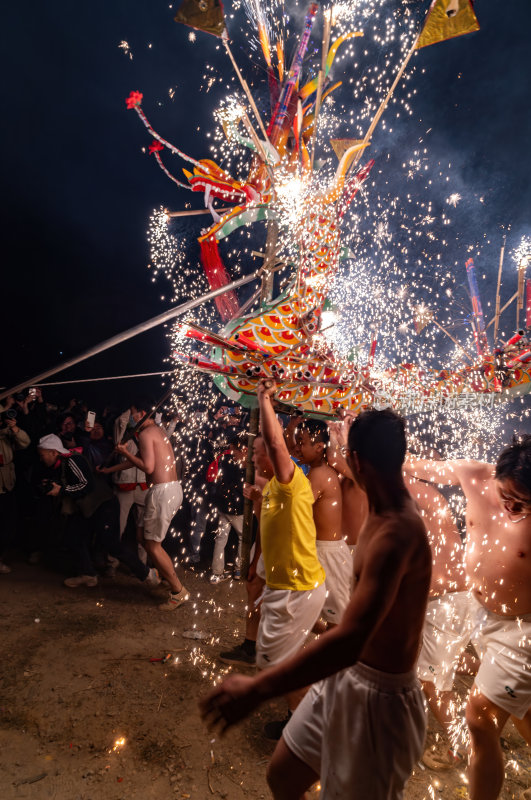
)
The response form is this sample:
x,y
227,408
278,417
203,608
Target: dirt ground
x,y
85,715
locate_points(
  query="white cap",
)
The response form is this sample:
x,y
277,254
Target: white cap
x,y
52,442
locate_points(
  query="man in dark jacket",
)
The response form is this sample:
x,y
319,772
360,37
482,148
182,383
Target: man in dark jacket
x,y
228,498
92,511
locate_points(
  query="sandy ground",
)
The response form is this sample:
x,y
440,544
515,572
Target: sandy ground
x,y
85,715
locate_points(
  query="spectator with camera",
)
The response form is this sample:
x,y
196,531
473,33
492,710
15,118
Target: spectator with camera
x,y
227,495
12,438
68,431
92,514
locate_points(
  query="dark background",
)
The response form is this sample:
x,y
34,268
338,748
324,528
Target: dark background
x,y
78,191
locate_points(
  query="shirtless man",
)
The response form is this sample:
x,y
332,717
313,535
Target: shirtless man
x,y
311,438
448,625
353,499
498,565
361,730
163,499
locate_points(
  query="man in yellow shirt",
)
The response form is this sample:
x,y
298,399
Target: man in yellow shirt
x,y
295,589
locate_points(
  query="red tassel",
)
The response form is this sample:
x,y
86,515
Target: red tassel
x,y
217,276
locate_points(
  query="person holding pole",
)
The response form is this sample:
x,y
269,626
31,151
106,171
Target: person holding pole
x,y
295,589
361,726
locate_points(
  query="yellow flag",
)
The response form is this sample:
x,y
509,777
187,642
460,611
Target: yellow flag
x,y
422,317
341,145
204,15
447,19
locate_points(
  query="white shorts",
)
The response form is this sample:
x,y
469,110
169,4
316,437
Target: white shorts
x,y
163,500
286,618
362,731
447,631
504,646
338,565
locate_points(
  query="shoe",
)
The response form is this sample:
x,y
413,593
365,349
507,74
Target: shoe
x,y
152,578
4,569
81,580
239,657
273,730
176,599
237,574
440,756
225,576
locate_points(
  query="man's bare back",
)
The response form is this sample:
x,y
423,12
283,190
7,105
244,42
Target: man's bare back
x,y
448,553
157,454
394,646
354,510
327,506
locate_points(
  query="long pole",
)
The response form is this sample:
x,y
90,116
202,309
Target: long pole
x,y
177,311
507,304
454,340
327,20
247,529
498,288
385,102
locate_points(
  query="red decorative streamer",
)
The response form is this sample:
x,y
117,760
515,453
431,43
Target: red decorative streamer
x,y
217,276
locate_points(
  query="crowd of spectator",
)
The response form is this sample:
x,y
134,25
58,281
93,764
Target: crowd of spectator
x,y
68,498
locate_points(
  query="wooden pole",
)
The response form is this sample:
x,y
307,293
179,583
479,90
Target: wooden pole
x,y
467,354
327,21
128,334
195,212
385,102
520,293
508,303
247,529
270,258
245,87
498,287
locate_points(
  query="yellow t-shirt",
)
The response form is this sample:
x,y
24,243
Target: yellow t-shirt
x,y
287,533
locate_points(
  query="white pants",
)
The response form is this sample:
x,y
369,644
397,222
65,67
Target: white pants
x,y
226,521
127,500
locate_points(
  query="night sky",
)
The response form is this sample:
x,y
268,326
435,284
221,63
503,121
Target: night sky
x,y
78,191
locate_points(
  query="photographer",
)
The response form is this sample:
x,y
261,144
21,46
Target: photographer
x,y
11,438
92,514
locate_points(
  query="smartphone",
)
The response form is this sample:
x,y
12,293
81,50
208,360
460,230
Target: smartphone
x,y
91,419
158,417
32,392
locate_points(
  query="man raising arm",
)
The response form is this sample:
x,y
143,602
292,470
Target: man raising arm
x,y
368,659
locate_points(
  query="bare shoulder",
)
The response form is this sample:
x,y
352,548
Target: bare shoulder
x,y
471,471
403,531
324,477
150,434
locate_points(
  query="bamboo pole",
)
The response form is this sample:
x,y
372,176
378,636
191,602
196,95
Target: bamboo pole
x,y
195,212
130,332
245,87
327,22
247,528
520,293
385,102
498,287
507,304
460,346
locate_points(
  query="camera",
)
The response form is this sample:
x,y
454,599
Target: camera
x,y
45,486
7,415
